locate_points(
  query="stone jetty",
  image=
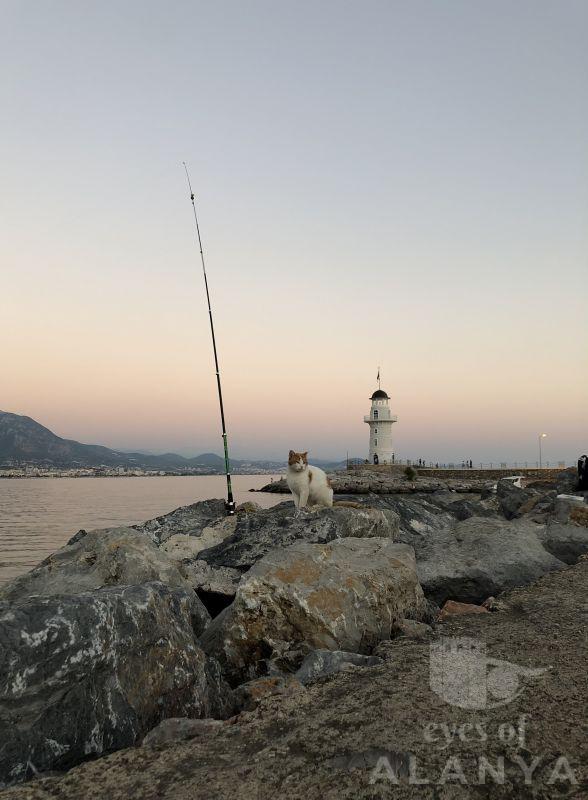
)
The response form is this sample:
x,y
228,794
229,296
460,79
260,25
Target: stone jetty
x,y
274,655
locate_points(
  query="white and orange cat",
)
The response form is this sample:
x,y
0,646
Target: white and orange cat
x,y
309,485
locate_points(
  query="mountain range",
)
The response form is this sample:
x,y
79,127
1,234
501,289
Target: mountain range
x,y
25,441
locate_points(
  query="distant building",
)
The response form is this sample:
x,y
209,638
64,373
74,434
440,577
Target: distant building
x,y
380,421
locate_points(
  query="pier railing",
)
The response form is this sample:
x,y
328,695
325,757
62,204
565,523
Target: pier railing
x,y
422,464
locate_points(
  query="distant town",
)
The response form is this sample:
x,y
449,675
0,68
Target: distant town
x,y
29,450
36,471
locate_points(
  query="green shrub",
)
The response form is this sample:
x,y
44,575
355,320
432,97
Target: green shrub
x,y
410,473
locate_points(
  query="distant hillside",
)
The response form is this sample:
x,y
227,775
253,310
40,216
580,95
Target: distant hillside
x,y
24,441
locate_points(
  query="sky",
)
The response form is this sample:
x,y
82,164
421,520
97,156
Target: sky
x,y
392,184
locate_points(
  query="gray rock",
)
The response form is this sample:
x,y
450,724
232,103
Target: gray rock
x,y
110,557
180,729
276,487
366,482
413,629
181,546
190,520
567,481
249,695
421,513
561,509
442,498
479,557
219,580
565,542
77,537
488,491
494,605
257,534
347,594
464,509
84,674
294,747
320,663
418,517
515,502
544,508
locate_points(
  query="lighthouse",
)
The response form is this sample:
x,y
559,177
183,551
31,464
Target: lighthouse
x,y
380,421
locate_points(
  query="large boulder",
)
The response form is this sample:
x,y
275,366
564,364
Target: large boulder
x,y
565,542
89,673
110,557
256,534
182,546
513,501
464,509
347,594
212,580
418,515
423,513
188,520
479,557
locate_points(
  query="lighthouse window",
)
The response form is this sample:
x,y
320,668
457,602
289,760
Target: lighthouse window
x,y
375,413
375,431
375,442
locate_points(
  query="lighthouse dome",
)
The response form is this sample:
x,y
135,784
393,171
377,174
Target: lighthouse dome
x,y
379,394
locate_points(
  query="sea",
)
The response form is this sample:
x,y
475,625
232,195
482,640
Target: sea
x,y
39,515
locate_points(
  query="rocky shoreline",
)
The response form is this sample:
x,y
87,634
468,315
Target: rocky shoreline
x,y
279,624
368,482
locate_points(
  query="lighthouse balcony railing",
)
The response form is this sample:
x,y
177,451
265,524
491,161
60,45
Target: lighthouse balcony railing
x,y
391,418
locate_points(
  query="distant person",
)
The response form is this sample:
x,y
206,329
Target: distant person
x,y
583,473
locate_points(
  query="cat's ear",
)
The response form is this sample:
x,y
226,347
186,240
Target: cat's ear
x,y
291,453
304,454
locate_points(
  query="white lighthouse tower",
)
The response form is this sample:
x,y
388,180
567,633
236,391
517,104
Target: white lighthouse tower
x,y
380,421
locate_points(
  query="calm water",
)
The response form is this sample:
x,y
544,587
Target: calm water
x,y
39,515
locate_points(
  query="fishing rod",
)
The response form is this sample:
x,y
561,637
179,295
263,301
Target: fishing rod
x,y
230,503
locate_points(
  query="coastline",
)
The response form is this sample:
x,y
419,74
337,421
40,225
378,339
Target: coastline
x,y
98,473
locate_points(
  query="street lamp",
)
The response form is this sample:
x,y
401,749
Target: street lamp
x,y
541,436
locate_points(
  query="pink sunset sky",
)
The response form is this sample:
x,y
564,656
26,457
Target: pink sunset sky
x,y
402,185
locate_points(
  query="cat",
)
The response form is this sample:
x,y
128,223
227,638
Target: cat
x,y
308,484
